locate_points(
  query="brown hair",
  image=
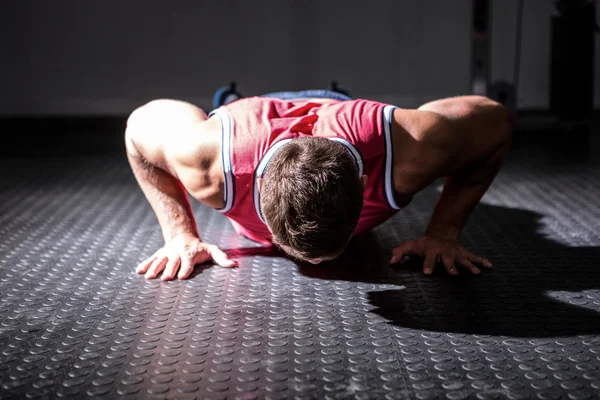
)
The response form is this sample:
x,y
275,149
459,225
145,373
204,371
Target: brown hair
x,y
312,197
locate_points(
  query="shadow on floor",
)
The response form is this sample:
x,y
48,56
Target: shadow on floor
x,y
538,288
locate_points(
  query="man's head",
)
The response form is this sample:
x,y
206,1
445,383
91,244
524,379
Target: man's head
x,y
311,198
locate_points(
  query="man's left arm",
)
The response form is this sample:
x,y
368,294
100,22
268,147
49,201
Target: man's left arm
x,y
472,166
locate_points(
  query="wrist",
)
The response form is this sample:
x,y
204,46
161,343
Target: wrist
x,y
181,234
443,233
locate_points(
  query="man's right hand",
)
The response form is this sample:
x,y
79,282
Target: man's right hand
x,y
181,254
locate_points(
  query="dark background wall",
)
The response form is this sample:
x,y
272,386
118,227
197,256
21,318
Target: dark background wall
x,y
74,57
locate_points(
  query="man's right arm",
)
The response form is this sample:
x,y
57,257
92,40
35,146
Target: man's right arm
x,y
168,198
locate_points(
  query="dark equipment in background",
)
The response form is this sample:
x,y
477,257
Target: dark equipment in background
x,y
572,59
503,91
480,47
571,64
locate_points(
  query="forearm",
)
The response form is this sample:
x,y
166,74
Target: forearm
x,y
166,195
457,201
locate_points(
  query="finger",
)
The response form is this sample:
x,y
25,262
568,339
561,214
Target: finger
x,y
397,255
464,262
449,264
171,268
429,263
186,268
144,265
402,251
480,260
220,258
157,265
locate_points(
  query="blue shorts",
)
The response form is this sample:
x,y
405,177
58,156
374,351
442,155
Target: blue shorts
x,y
308,94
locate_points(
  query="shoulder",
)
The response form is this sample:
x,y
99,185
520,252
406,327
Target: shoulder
x,y
419,125
422,146
158,125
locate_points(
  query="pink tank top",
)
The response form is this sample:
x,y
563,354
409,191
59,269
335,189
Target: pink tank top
x,y
254,128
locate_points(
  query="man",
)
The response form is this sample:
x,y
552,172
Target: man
x,y
309,173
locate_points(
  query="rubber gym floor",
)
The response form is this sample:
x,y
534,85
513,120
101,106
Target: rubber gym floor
x,y
77,322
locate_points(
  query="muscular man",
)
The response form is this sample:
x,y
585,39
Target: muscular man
x,y
308,174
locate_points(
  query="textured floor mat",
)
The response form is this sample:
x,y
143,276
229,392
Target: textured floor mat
x,y
76,321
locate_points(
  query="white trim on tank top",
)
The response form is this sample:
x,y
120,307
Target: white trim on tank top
x,y
226,135
388,184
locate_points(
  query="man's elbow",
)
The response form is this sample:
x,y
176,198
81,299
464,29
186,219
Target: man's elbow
x,y
130,147
504,130
133,131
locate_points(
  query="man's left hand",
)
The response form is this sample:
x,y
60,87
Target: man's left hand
x,y
438,250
